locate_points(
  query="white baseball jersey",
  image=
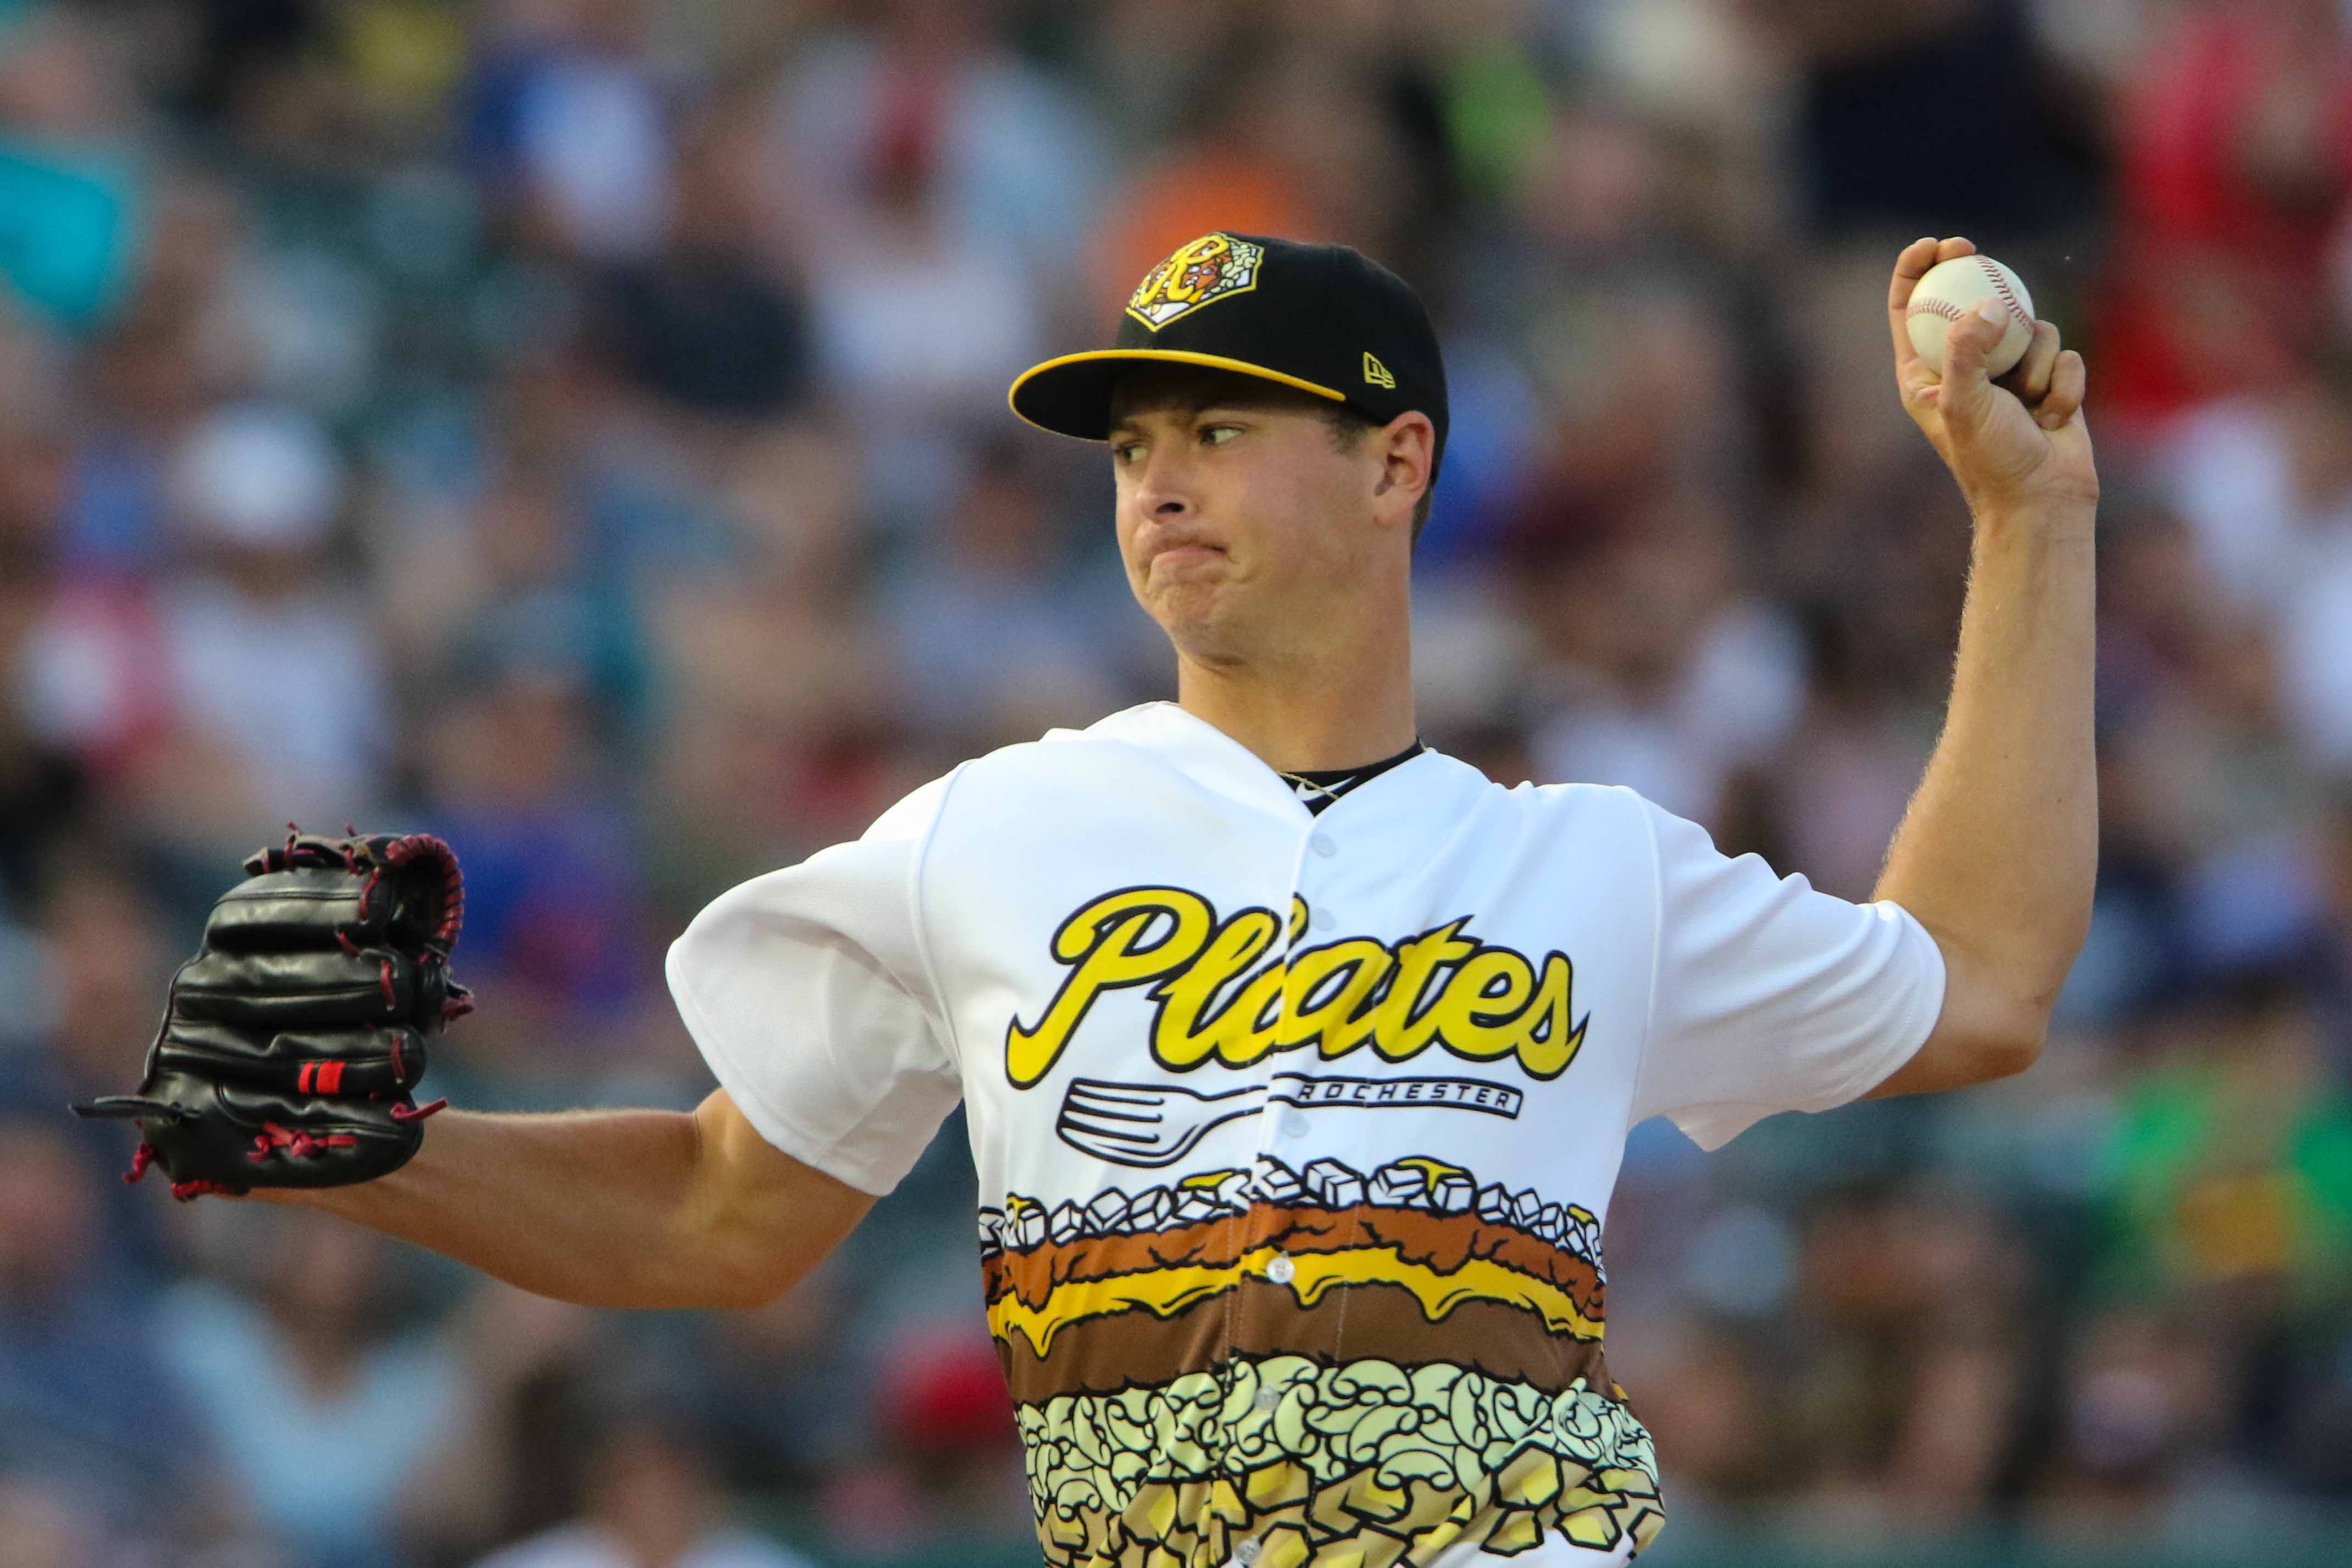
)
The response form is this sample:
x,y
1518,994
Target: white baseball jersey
x,y
1293,1132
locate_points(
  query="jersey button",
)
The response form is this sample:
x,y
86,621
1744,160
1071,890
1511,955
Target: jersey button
x,y
1294,1124
1282,1272
1268,1398
1322,844
1245,1552
1319,920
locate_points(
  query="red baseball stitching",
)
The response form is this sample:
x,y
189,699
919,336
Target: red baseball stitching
x,y
1951,312
2000,285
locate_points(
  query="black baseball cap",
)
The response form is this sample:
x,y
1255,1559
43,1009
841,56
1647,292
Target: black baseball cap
x,y
1321,318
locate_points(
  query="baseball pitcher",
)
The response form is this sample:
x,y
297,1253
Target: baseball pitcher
x,y
1298,1058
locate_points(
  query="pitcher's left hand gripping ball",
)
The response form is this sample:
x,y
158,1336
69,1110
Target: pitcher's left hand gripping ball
x,y
292,1038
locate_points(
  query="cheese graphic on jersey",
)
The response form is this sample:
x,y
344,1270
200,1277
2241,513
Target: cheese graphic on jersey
x,y
1159,1253
1215,1000
1167,1291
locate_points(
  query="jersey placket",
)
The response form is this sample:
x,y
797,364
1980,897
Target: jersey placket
x,y
1273,1322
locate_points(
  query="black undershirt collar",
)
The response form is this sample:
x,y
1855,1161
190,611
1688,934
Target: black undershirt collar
x,y
1318,787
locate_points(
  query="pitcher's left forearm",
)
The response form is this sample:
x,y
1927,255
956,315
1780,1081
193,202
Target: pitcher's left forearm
x,y
1999,851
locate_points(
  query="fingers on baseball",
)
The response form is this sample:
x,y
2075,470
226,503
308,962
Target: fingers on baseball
x,y
1911,264
1970,339
2030,379
2068,380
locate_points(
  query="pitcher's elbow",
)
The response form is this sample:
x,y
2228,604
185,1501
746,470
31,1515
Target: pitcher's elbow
x,y
2011,1053
735,1294
744,1274
2016,1033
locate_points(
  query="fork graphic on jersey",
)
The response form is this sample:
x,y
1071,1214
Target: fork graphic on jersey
x,y
1158,1125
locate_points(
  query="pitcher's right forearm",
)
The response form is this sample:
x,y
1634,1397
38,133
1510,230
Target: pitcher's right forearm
x,y
610,1208
586,1207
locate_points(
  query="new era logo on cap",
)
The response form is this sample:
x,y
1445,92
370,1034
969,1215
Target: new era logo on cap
x,y
1322,319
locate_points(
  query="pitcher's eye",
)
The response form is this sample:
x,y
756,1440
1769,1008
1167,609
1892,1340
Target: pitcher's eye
x,y
1216,435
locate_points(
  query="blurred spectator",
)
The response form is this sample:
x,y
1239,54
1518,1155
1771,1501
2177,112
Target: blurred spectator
x,y
651,1496
989,646
949,1472
787,1396
2232,1152
323,1401
516,783
1835,793
2235,149
913,320
84,1404
488,1475
567,122
1704,1398
103,955
46,1524
2317,1446
706,324
2011,163
781,689
43,788
1670,684
522,535
1912,1385
185,697
931,94
2144,1421
2262,480
264,634
2334,959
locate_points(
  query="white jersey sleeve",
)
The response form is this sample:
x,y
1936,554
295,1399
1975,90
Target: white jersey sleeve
x,y
1767,995
808,991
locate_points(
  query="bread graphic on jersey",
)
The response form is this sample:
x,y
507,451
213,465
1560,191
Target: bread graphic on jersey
x,y
1095,1296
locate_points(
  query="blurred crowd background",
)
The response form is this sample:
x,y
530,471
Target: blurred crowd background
x,y
577,427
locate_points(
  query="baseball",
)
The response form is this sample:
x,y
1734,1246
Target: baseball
x,y
1950,289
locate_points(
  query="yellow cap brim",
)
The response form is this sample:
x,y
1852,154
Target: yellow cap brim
x,y
1071,395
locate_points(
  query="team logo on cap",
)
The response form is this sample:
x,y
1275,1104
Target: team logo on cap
x,y
1210,267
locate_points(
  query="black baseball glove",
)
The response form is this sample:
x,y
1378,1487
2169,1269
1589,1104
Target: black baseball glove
x,y
292,1038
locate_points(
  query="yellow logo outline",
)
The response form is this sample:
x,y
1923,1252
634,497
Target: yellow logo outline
x,y
1215,1000
1377,373
1200,272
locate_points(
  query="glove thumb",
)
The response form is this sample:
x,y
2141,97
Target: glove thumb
x,y
1966,400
